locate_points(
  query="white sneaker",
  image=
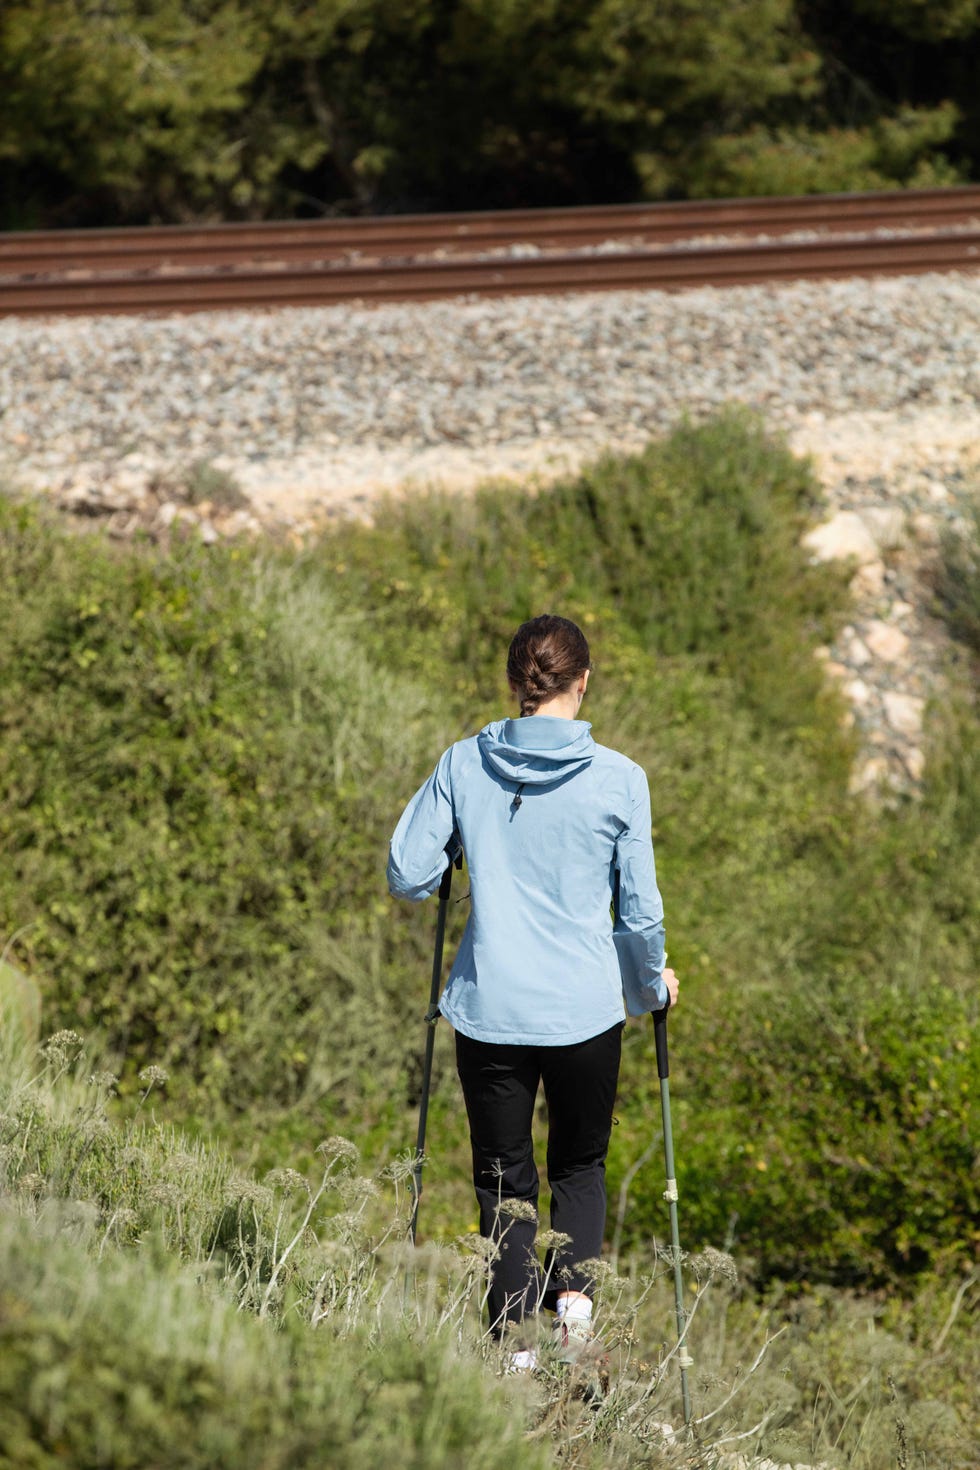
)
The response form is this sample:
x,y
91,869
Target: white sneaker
x,y
524,1361
573,1336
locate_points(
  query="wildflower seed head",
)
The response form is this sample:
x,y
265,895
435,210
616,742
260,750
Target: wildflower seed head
x,y
31,1185
552,1240
242,1191
401,1168
103,1081
339,1149
154,1077
182,1164
163,1193
601,1275
711,1263
61,1046
518,1209
356,1190
479,1245
348,1226
288,1180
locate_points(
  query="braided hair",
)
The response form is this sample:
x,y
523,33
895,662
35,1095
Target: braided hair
x,y
546,656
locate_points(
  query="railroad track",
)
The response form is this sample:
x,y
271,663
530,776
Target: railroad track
x,y
664,246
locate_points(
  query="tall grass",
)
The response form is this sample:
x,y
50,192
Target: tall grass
x,y
162,1306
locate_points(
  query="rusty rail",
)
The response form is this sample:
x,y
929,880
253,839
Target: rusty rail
x,y
663,246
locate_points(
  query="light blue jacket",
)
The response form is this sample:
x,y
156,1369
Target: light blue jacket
x,y
546,817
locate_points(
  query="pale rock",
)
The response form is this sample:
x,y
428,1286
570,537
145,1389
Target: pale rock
x,y
844,535
117,497
915,762
871,775
902,610
904,713
208,533
886,641
925,530
857,651
167,513
129,484
837,670
868,581
237,522
857,691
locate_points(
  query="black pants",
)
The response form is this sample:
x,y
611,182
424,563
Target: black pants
x,y
500,1083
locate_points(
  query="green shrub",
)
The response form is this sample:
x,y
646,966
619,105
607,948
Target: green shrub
x,y
129,1331
20,1010
132,1361
957,577
189,806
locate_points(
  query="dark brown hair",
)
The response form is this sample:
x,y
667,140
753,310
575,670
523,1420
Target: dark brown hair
x,y
545,658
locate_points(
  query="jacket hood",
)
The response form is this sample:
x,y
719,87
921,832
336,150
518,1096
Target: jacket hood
x,y
538,749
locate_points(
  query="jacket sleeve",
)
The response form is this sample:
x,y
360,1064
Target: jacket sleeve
x,y
638,931
417,854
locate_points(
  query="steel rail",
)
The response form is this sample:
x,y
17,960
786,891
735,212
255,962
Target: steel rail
x,y
390,238
667,268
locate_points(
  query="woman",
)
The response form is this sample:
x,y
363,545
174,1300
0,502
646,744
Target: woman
x,y
555,828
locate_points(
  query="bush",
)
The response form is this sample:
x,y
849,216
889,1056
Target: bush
x,y
189,805
957,577
129,1362
135,1263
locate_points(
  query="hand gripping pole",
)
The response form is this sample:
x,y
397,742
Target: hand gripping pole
x,y
684,1358
454,854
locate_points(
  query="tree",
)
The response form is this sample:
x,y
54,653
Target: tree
x,y
139,110
121,107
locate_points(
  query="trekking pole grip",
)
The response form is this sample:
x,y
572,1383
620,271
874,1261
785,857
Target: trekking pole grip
x,y
660,1036
454,852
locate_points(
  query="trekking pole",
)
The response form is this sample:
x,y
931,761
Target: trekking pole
x,y
684,1358
454,852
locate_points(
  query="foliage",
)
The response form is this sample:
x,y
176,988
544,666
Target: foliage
x,y
97,99
203,757
161,1306
896,150
188,805
128,1361
140,112
957,577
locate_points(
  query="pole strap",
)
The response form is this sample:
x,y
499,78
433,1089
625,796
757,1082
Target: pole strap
x,y
670,1193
